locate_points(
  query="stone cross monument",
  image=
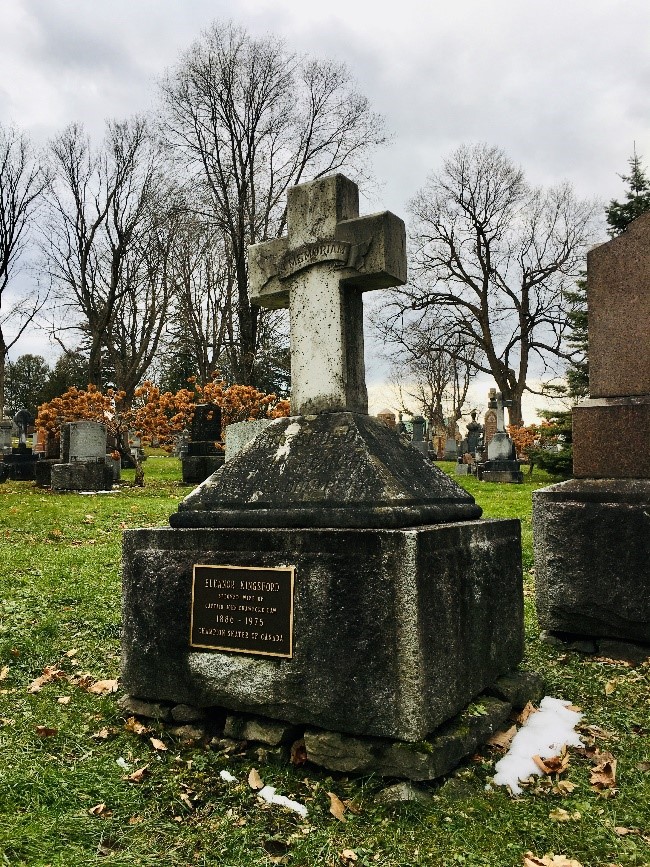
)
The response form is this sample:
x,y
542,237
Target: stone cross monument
x,y
330,257
329,575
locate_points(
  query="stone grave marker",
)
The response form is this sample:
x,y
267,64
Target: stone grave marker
x,y
489,427
388,417
419,440
204,454
6,436
592,533
501,464
83,464
20,463
329,577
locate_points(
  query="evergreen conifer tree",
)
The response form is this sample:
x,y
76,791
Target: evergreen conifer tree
x,y
637,198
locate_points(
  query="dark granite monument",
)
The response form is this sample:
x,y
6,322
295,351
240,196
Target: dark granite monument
x,y
329,575
204,453
20,463
592,533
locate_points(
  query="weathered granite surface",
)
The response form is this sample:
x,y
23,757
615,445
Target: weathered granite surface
x,y
618,297
592,557
395,630
241,433
611,438
329,470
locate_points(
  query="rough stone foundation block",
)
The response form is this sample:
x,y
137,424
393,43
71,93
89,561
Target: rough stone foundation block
x,y
592,558
427,760
395,631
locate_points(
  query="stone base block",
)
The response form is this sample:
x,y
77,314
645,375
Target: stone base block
x,y
592,558
395,631
82,476
505,471
624,451
197,468
433,757
428,759
43,472
20,468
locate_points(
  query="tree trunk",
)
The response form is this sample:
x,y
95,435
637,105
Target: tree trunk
x,y
3,368
514,410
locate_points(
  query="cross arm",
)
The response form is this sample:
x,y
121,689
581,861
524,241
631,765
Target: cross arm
x,y
266,289
380,243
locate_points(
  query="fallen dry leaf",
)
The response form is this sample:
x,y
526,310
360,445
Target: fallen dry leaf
x,y
541,764
4,671
98,810
560,815
563,787
158,745
502,740
71,653
623,832
603,775
46,732
185,798
609,661
643,766
298,753
337,807
558,764
133,725
525,712
348,856
610,687
135,820
101,735
50,673
551,860
64,699
254,780
102,687
137,776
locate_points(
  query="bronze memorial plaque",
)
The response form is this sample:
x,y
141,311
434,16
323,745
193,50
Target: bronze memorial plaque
x,y
244,609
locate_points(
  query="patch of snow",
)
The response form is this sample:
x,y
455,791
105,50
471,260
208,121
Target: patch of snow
x,y
268,794
227,777
290,434
544,734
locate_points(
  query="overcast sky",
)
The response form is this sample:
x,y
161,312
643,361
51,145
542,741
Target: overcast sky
x,y
562,86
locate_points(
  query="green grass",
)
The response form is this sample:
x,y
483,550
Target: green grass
x,y
60,580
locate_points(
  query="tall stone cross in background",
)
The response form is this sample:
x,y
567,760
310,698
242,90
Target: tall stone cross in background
x,y
330,256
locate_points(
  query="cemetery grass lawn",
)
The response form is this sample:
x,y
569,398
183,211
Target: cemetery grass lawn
x,y
60,607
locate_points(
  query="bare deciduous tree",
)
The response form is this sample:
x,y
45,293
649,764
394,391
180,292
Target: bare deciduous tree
x,y
497,256
108,244
22,184
246,118
430,364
